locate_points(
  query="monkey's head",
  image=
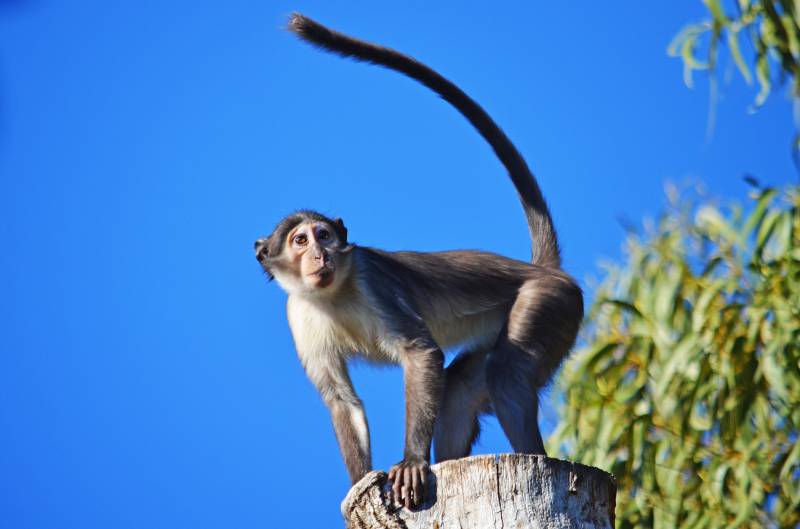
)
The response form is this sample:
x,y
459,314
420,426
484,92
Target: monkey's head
x,y
307,253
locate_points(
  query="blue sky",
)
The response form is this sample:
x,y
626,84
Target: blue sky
x,y
147,376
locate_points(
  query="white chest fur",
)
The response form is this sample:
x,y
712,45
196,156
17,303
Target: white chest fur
x,y
343,328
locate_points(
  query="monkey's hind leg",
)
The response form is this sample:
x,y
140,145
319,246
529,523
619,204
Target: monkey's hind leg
x,y
465,398
541,329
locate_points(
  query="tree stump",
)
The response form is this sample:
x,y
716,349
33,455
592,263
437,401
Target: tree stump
x,y
509,491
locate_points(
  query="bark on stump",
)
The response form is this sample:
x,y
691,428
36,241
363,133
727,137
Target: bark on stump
x,y
494,491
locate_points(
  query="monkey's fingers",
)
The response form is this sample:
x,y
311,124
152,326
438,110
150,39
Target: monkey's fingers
x,y
408,483
416,485
408,498
397,496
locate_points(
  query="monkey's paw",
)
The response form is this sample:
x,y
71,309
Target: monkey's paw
x,y
408,479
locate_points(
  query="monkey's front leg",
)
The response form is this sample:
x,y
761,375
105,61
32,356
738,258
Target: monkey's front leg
x,y
352,433
329,374
423,373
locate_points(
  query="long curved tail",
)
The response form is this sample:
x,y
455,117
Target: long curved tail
x,y
544,242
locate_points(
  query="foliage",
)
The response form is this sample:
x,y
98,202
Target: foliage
x,y
688,386
773,30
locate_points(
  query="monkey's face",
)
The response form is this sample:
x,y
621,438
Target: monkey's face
x,y
313,258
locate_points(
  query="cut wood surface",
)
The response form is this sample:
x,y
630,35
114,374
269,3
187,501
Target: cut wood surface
x,y
491,492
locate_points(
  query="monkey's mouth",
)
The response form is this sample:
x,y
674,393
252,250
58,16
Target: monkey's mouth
x,y
323,276
322,272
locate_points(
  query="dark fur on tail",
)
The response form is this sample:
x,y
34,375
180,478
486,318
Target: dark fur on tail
x,y
545,251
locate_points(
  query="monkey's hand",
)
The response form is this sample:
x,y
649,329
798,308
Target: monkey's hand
x,y
408,479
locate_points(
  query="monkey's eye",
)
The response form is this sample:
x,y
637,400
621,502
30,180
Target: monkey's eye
x,y
300,239
323,235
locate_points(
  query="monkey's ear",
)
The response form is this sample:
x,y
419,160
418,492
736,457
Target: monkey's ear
x,y
342,228
274,245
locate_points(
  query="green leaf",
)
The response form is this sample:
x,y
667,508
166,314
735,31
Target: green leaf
x,y
790,30
679,358
666,293
783,232
700,421
718,484
736,53
716,11
700,312
689,62
765,232
791,464
762,75
623,305
755,218
693,396
711,219
771,369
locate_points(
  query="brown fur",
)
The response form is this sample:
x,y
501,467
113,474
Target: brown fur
x,y
515,321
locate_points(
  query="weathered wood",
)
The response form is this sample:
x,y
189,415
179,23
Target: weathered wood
x,y
507,491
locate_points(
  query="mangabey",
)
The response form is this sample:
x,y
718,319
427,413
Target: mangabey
x,y
514,321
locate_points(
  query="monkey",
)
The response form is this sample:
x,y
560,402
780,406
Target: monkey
x,y
510,321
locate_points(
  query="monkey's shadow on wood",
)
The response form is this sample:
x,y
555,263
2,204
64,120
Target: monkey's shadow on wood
x,y
430,493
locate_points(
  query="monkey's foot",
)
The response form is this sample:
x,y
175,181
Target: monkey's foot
x,y
408,481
